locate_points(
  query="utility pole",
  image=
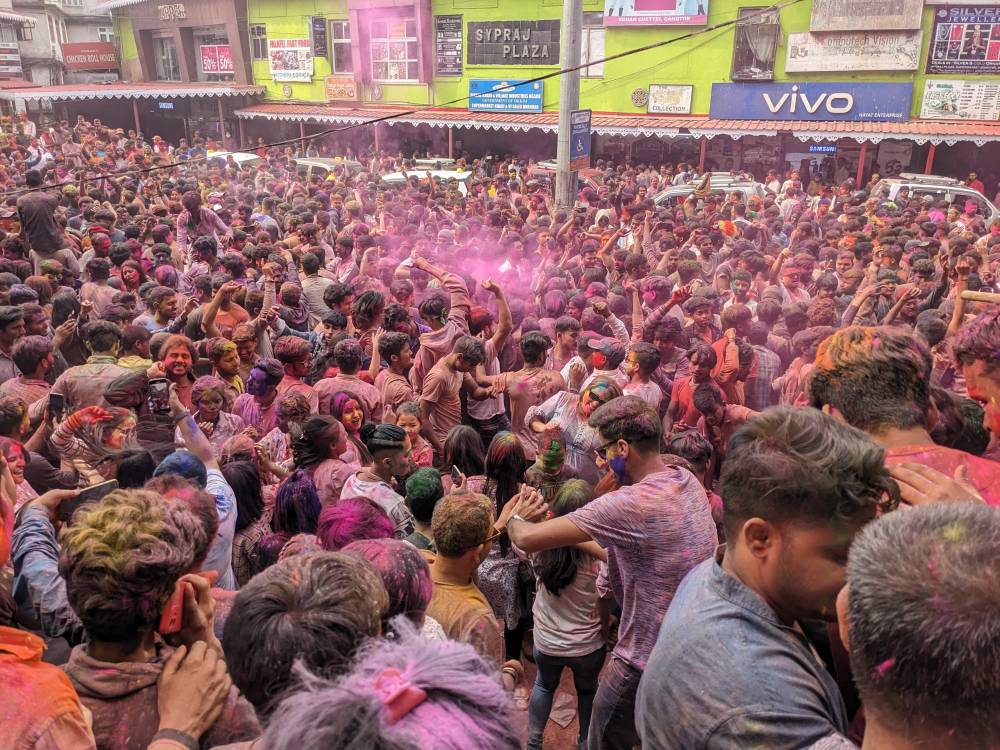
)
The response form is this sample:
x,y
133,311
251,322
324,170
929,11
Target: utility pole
x,y
569,98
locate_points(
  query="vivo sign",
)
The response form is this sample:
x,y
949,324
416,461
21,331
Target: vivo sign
x,y
866,102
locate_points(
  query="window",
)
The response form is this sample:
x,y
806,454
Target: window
x,y
73,3
105,34
258,41
167,67
340,33
7,34
592,45
394,50
24,33
755,45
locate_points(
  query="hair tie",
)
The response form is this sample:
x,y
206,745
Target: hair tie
x,y
397,694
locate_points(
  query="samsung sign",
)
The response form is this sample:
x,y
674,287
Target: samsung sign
x,y
863,102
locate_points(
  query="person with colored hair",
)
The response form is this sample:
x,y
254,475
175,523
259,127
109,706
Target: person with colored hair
x,y
352,519
568,412
656,525
221,352
407,692
352,414
317,608
976,348
891,609
423,491
91,438
274,451
295,356
349,356
797,487
258,406
390,451
568,629
409,418
119,591
212,400
878,380
296,511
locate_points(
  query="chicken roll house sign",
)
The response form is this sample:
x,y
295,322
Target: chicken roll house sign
x,y
513,42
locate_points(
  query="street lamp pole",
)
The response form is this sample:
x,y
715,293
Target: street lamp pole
x,y
569,98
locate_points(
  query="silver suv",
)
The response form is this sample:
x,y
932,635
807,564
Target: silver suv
x,y
722,184
935,187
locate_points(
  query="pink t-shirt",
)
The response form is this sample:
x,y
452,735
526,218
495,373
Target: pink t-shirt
x,y
983,473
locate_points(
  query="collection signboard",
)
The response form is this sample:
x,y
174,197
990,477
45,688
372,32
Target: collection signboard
x,y
965,40
669,99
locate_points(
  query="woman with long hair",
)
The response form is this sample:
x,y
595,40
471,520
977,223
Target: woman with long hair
x,y
92,438
463,450
296,511
390,450
568,631
319,448
17,458
351,412
500,574
253,518
274,450
212,400
132,276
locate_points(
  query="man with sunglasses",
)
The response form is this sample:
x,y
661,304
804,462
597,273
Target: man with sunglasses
x,y
655,525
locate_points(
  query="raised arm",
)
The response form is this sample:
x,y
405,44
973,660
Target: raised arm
x,y
505,323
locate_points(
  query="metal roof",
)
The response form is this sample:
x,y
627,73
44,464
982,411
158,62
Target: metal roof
x,y
610,123
124,90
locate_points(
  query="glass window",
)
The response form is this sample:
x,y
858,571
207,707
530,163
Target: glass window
x,y
167,67
24,33
105,34
395,51
592,49
755,46
7,34
73,3
258,41
340,33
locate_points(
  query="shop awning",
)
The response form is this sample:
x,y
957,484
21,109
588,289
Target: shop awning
x,y
610,123
16,18
112,4
123,90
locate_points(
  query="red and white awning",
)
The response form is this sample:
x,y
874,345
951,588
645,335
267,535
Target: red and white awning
x,y
124,90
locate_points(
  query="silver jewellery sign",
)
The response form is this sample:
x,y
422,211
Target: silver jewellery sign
x,y
831,53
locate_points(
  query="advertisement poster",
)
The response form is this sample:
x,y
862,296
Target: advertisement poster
x,y
831,53
859,102
961,100
965,40
89,56
669,100
290,59
864,15
320,38
216,58
655,12
894,157
519,97
448,45
339,88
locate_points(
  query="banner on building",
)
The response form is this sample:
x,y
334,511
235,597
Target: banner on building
x,y
513,42
579,139
863,102
339,88
89,56
655,12
290,59
667,99
493,95
448,45
10,60
320,36
831,53
965,40
216,58
894,157
864,15
961,100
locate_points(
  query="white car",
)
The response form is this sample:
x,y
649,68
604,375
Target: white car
x,y
323,166
937,188
241,158
442,175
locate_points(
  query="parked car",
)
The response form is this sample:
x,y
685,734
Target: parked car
x,y
721,184
324,166
240,158
434,163
442,175
937,188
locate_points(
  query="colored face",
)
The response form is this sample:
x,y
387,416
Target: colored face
x,y
115,437
352,416
229,363
631,364
209,406
983,385
741,288
410,425
567,340
246,349
168,306
15,460
844,263
700,371
589,402
177,361
702,316
130,276
38,325
791,279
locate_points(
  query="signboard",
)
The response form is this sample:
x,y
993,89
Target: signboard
x,y
10,60
340,88
520,97
216,58
894,157
513,43
822,148
448,45
864,15
320,39
173,12
863,102
655,12
290,59
832,53
89,56
579,139
961,100
965,40
669,100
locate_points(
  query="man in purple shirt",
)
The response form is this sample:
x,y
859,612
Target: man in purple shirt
x,y
656,526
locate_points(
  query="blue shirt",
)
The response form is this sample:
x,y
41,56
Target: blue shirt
x,y
726,673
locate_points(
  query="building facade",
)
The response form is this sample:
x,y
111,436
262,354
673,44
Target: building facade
x,y
733,97
58,23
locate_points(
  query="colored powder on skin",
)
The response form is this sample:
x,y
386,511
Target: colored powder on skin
x,y
882,668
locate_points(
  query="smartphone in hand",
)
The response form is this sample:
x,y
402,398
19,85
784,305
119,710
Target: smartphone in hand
x,y
87,496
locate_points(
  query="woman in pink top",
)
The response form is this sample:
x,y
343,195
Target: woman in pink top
x,y
319,451
196,221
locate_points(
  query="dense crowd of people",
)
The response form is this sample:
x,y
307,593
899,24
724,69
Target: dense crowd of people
x,y
303,460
